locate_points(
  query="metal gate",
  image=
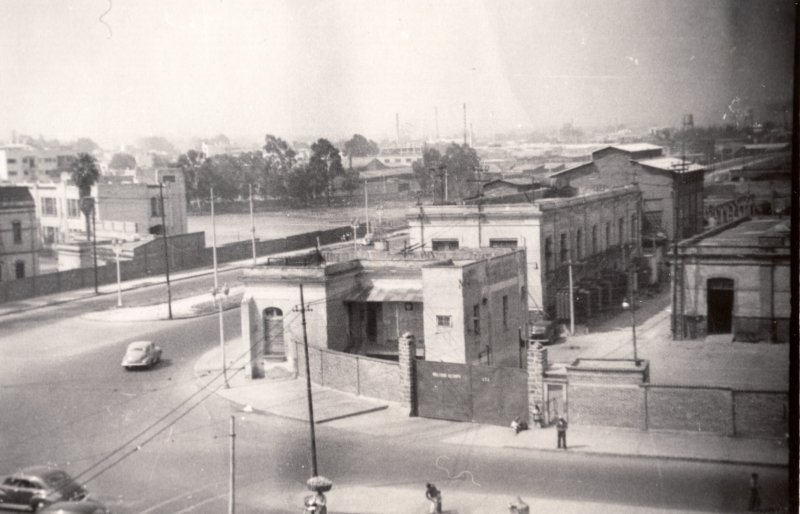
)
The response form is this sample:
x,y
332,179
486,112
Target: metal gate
x,y
480,394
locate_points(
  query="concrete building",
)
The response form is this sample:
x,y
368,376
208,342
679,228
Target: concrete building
x,y
463,306
735,279
19,243
400,156
597,231
661,179
127,207
23,163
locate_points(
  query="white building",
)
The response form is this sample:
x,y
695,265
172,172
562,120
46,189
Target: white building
x,y
19,246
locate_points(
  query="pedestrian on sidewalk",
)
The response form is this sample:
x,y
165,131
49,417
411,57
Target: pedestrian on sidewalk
x,y
520,507
518,425
435,497
561,428
755,493
537,416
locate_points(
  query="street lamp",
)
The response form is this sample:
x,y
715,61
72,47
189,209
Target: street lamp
x,y
626,305
222,292
117,246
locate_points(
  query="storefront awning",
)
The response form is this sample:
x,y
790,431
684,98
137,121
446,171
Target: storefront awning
x,y
379,294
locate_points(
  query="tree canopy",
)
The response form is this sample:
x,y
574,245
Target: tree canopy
x,y
360,146
459,163
122,161
85,173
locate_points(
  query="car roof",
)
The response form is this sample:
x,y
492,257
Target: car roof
x,y
139,344
43,472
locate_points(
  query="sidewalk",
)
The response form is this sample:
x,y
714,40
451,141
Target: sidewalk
x,y
285,396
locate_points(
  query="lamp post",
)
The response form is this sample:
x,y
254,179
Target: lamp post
x,y
117,246
222,292
632,307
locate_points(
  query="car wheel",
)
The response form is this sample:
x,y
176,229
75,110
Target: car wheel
x,y
39,505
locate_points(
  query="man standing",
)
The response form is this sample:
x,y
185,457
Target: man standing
x,y
435,497
755,493
561,428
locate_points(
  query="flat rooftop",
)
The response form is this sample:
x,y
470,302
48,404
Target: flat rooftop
x,y
748,233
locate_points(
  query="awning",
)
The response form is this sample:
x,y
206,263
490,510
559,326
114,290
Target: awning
x,y
379,294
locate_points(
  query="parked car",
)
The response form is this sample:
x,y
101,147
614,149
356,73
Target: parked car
x,y
541,329
141,354
86,506
36,487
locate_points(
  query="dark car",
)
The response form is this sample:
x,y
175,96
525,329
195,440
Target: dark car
x,y
35,487
542,330
77,507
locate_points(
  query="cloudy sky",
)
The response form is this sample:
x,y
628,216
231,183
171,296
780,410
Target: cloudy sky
x,y
114,70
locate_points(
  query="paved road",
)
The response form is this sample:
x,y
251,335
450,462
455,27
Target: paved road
x,y
66,400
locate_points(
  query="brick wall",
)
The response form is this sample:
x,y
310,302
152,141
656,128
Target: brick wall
x,y
761,413
351,373
606,405
690,408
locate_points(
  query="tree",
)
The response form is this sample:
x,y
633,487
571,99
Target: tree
x,y
122,161
422,169
350,182
279,158
324,165
461,162
85,174
85,145
359,146
190,163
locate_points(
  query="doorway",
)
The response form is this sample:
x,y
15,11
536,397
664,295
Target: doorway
x,y
720,305
273,331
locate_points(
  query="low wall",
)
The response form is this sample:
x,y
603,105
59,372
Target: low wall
x,y
693,409
351,373
186,251
606,405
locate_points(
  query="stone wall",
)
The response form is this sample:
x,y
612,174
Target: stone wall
x,y
606,405
693,409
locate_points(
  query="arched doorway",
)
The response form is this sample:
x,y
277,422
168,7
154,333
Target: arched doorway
x,y
720,305
273,331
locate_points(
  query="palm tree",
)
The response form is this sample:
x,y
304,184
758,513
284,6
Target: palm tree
x,y
85,174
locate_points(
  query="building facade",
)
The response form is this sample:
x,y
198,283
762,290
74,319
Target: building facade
x,y
597,232
126,207
23,163
463,307
672,190
735,279
19,242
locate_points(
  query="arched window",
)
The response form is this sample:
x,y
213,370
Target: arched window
x,y
273,331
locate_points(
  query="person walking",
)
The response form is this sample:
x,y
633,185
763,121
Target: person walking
x,y
561,428
537,416
435,497
755,493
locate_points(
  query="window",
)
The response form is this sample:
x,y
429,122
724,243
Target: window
x,y
579,243
505,311
476,318
548,254
621,230
49,235
502,243
608,234
594,239
154,210
11,161
563,255
442,245
168,179
19,269
16,229
49,207
73,208
443,321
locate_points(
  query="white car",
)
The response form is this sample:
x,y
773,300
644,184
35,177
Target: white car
x,y
141,354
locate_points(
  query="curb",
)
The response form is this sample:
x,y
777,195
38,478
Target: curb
x,y
703,460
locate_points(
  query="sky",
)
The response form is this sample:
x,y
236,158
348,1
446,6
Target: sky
x,y
116,70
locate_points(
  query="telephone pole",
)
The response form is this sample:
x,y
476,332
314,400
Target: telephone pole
x,y
166,246
308,387
252,224
232,480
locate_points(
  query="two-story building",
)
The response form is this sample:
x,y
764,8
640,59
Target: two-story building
x,y
19,242
597,233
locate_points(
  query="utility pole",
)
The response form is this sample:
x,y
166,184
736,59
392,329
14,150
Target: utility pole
x,y
308,387
354,224
232,482
421,224
166,247
94,245
465,123
366,207
252,224
213,238
446,197
571,301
